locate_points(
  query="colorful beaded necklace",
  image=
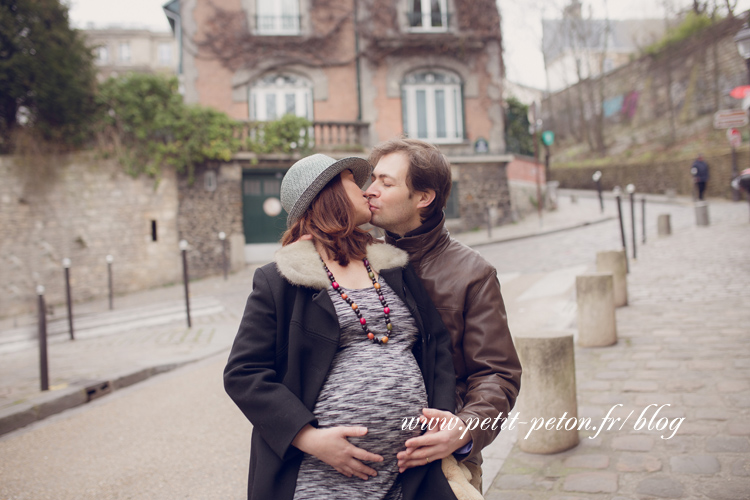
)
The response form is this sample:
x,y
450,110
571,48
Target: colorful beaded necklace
x,y
355,308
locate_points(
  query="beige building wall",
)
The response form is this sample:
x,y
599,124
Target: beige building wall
x,y
119,51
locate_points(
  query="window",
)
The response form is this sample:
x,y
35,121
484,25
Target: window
x,y
277,95
433,107
277,17
102,55
124,52
164,54
428,15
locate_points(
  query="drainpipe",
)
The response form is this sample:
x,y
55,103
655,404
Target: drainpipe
x,y
357,62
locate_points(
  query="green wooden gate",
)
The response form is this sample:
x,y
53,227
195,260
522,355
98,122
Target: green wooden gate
x,y
263,218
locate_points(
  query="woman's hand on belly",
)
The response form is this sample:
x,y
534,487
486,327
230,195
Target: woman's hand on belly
x,y
332,447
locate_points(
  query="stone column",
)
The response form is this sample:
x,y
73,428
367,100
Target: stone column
x,y
664,225
701,213
548,399
614,262
596,310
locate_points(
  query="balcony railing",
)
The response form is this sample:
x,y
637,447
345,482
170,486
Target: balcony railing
x,y
321,136
428,21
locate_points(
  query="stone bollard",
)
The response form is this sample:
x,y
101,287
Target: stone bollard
x,y
596,310
549,393
664,225
613,262
701,213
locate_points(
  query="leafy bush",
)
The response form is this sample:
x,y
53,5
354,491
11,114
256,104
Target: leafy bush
x,y
289,134
692,24
146,123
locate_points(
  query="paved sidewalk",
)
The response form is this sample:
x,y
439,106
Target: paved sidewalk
x,y
678,378
147,334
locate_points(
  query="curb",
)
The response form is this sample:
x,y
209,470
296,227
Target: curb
x,y
542,233
16,416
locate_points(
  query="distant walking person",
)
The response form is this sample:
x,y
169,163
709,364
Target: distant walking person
x,y
699,171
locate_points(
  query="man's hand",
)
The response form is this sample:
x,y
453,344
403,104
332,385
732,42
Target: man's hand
x,y
435,444
331,446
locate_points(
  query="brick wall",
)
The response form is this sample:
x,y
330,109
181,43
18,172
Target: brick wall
x,y
82,208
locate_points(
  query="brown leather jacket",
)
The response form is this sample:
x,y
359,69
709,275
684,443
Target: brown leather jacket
x,y
466,292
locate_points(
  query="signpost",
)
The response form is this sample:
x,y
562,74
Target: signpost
x,y
730,118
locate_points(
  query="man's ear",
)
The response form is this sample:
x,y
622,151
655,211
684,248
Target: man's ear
x,y
425,198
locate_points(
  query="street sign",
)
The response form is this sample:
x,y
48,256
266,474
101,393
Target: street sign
x,y
548,138
740,92
729,118
734,137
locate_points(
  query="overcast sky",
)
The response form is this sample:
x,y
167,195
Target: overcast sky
x,y
522,28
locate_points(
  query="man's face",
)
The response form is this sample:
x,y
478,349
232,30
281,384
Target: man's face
x,y
394,208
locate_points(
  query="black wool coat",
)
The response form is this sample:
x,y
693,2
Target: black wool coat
x,y
286,342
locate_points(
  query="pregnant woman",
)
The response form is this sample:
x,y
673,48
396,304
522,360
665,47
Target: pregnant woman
x,y
338,344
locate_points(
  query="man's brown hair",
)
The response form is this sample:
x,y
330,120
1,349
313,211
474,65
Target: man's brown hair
x,y
330,221
428,169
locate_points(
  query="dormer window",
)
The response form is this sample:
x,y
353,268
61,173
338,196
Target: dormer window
x,y
428,15
278,17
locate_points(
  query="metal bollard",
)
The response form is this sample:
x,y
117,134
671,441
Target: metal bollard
x,y
110,259
618,192
643,218
183,249
489,222
223,239
43,364
69,299
598,179
701,213
631,191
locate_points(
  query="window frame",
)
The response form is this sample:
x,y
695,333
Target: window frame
x,y
264,87
453,115
124,54
277,9
428,16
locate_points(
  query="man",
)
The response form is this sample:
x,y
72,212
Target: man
x,y
410,187
699,171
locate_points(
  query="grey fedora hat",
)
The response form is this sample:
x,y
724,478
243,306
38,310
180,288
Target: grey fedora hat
x,y
308,176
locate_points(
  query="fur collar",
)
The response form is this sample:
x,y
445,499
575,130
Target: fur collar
x,y
300,265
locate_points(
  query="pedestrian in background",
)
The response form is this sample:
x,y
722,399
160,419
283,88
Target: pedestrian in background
x,y
699,171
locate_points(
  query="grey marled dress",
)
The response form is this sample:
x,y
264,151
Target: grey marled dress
x,y
371,385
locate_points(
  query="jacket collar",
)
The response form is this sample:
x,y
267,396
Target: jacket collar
x,y
420,243
299,262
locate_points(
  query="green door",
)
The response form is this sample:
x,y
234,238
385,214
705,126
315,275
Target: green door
x,y
263,218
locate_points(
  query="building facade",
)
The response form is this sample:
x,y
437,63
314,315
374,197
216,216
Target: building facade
x,y
364,70
119,51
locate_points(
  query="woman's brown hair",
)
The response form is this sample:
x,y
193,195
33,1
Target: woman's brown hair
x,y
330,221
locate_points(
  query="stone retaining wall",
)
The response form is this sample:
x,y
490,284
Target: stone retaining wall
x,y
82,208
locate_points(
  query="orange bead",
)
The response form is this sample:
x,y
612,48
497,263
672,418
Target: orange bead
x,y
377,286
384,340
344,296
370,336
354,306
